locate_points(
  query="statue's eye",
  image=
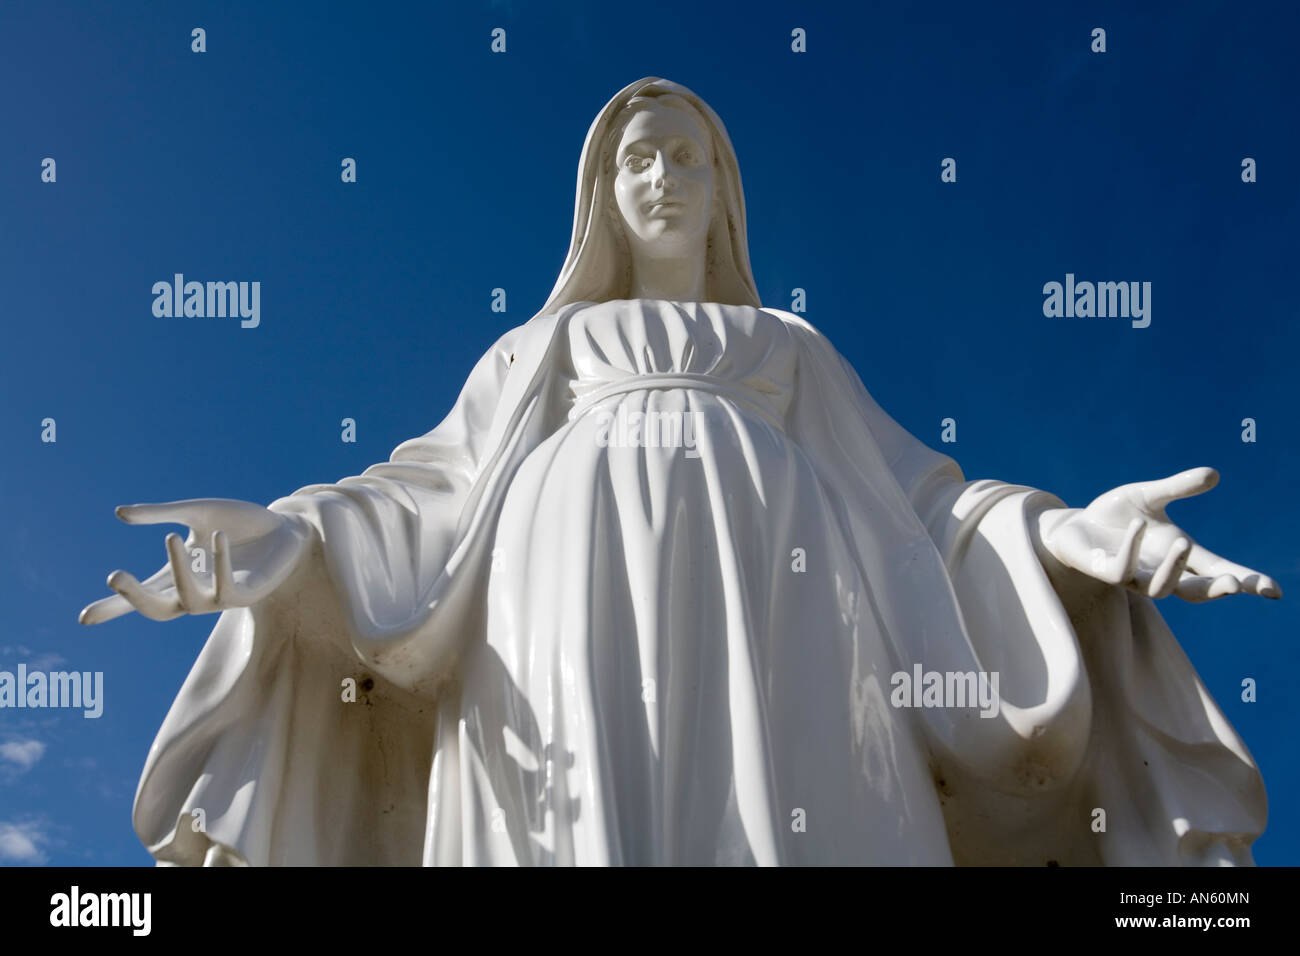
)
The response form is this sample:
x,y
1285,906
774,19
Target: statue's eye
x,y
686,156
636,163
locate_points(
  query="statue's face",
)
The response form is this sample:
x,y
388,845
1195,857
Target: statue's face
x,y
665,184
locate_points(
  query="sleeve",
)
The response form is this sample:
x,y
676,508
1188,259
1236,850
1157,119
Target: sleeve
x,y
304,735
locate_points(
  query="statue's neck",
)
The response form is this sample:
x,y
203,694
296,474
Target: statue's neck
x,y
678,280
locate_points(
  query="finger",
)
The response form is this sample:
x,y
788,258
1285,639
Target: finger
x,y
224,588
105,609
1159,493
187,589
1166,577
242,520
166,512
152,604
1123,566
1208,563
1261,584
1197,588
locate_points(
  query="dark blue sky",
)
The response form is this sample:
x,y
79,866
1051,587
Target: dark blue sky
x,y
375,296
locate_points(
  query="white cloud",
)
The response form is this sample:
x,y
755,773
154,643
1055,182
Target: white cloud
x,y
21,842
22,753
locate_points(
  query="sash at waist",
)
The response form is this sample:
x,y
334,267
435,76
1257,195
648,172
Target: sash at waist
x,y
670,380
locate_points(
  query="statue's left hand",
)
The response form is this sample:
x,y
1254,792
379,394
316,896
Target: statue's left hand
x,y
1124,537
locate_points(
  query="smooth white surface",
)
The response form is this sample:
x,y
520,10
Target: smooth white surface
x,y
577,652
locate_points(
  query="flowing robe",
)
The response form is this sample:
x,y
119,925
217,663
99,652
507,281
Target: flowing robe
x,y
640,672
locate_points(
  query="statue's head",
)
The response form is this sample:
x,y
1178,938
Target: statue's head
x,y
658,173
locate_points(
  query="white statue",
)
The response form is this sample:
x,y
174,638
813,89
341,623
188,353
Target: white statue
x,y
538,636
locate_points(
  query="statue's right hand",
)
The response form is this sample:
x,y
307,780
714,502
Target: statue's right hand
x,y
251,551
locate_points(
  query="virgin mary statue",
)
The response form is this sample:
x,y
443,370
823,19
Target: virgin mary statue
x,y
667,586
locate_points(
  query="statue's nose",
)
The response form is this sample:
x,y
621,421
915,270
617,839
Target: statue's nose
x,y
659,174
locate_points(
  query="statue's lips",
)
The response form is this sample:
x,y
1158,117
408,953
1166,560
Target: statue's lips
x,y
660,204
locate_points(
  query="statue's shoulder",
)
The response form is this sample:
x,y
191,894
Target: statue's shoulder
x,y
540,327
534,337
800,326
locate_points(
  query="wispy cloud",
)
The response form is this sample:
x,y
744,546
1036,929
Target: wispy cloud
x,y
41,662
22,754
22,842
